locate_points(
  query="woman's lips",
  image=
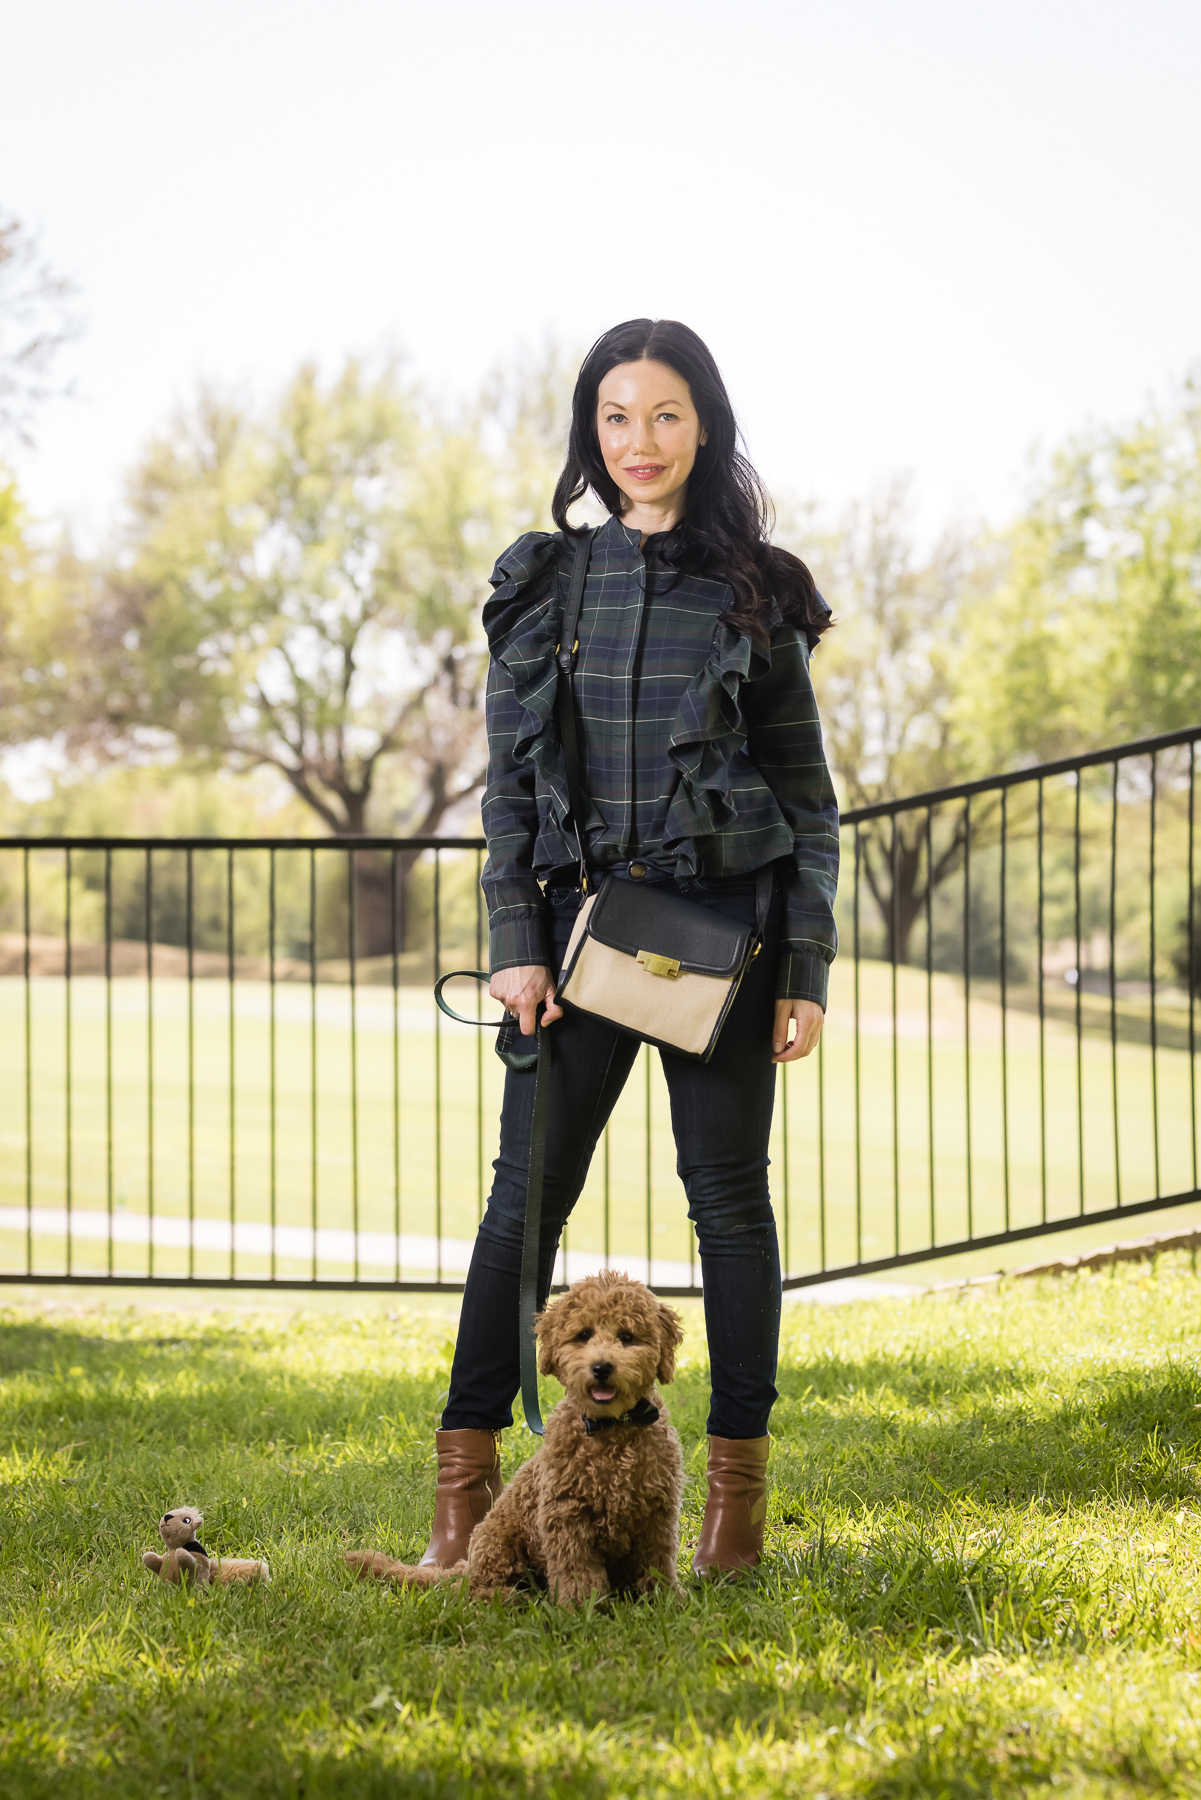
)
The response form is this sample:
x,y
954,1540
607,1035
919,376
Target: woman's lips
x,y
647,471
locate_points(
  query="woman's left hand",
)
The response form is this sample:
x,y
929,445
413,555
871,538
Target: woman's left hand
x,y
809,1019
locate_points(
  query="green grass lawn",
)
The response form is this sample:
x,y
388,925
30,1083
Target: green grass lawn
x,y
984,1535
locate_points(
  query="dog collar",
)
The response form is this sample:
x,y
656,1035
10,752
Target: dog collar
x,y
642,1414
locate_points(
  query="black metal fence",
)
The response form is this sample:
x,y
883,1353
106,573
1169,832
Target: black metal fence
x,y
220,1062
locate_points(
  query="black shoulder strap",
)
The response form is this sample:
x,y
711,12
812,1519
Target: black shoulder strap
x,y
566,652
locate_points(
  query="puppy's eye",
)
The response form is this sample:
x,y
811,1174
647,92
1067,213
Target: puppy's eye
x,y
581,1337
626,1337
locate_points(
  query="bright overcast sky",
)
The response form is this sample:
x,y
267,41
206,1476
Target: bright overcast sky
x,y
917,235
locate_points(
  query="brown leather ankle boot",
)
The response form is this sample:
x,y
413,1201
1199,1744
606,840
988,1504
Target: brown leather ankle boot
x,y
469,1481
732,1533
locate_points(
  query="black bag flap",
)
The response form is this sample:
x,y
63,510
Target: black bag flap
x,y
631,917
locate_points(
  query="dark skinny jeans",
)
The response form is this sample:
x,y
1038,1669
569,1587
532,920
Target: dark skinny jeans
x,y
721,1116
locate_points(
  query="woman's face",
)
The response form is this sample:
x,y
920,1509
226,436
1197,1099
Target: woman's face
x,y
649,432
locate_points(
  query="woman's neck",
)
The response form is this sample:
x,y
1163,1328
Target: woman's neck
x,y
649,518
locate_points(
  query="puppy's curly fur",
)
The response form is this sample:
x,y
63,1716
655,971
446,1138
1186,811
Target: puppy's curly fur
x,y
592,1512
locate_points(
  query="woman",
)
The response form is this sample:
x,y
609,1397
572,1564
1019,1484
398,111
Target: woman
x,y
702,762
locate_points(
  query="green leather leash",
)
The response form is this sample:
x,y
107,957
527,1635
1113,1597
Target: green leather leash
x,y
527,1305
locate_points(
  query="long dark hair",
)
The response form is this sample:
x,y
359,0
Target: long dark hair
x,y
726,529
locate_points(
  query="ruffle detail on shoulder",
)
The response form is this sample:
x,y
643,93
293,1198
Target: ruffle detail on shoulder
x,y
521,622
708,732
523,574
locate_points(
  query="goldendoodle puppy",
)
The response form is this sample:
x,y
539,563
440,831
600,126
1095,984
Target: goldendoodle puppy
x,y
597,1507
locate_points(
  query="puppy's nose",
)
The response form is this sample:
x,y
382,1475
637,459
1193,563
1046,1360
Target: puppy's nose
x,y
602,1370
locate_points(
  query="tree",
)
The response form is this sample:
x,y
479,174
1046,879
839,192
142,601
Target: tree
x,y
36,320
1092,632
35,628
885,679
300,590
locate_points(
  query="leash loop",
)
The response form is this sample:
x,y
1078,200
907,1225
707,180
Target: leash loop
x,y
444,1007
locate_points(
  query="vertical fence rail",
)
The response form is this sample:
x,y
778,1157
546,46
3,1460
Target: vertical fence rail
x,y
1010,1049
1191,952
233,1063
396,917
1078,991
148,879
273,1146
1004,958
967,1010
313,1057
932,1237
191,953
1113,987
108,1049
68,1123
353,1046
1042,1015
27,971
1153,973
858,1069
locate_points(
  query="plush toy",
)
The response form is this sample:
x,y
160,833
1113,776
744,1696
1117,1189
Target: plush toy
x,y
188,1561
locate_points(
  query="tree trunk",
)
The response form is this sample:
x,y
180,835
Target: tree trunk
x,y
381,884
901,867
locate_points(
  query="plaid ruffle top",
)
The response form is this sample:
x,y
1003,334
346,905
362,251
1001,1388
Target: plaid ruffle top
x,y
701,750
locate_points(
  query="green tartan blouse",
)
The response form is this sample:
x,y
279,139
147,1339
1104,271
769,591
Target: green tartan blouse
x,y
701,751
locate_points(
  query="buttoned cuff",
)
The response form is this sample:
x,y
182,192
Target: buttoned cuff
x,y
803,975
516,939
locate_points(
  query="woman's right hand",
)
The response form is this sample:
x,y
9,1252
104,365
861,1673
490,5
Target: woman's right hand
x,y
521,990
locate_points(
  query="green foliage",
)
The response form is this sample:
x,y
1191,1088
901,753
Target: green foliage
x,y
886,679
298,590
30,627
983,1551
1093,634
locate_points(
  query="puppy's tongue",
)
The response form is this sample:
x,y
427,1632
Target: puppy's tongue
x,y
602,1396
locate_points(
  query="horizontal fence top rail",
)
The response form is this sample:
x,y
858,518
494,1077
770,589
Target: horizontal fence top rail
x,y
963,790
992,784
343,842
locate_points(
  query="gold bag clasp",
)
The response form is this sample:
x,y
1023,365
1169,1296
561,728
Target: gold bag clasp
x,y
659,965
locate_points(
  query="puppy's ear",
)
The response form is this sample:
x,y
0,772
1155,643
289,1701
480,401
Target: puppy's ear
x,y
671,1336
549,1334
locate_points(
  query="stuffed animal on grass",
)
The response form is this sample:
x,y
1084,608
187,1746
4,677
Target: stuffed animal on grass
x,y
188,1561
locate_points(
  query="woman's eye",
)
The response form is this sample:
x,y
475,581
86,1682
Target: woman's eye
x,y
581,1337
670,417
616,419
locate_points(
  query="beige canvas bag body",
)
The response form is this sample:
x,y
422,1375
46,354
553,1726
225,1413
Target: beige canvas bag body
x,y
641,956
